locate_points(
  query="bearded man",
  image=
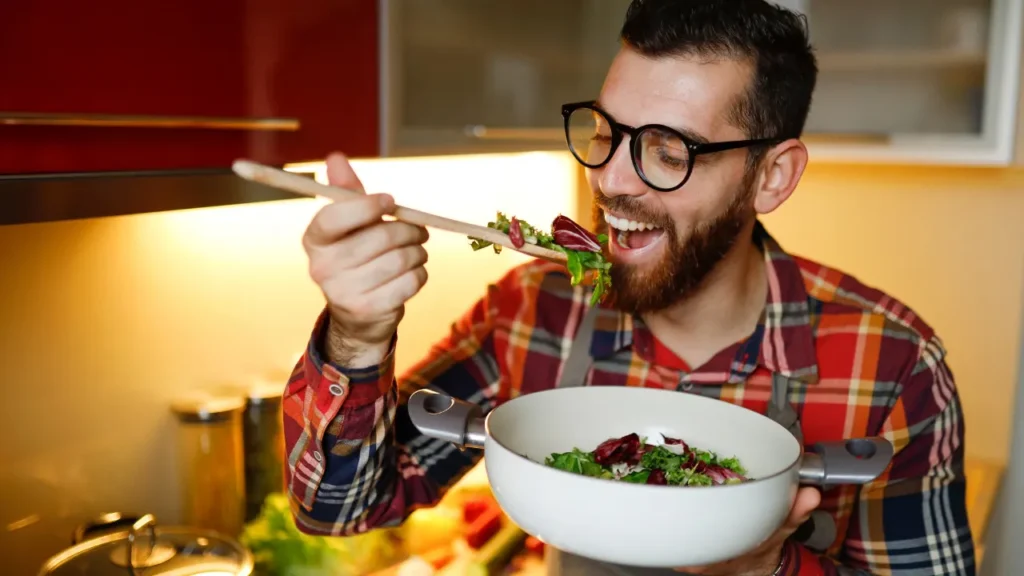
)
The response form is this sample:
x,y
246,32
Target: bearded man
x,y
695,133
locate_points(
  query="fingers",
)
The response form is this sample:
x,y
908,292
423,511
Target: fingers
x,y
366,268
807,501
346,216
396,292
369,257
385,298
373,280
340,173
388,267
371,242
765,556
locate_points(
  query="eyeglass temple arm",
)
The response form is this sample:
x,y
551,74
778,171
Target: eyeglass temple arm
x,y
723,146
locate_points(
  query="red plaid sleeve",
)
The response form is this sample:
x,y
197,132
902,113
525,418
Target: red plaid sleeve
x,y
355,461
913,519
319,399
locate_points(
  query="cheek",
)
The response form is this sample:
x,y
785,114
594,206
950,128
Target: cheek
x,y
593,178
692,204
704,198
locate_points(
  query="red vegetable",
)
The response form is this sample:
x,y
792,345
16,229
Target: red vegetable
x,y
657,476
484,528
715,474
618,450
534,546
572,236
719,474
677,441
698,466
515,233
475,507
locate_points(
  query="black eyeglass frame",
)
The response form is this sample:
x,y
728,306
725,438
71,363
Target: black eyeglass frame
x,y
694,149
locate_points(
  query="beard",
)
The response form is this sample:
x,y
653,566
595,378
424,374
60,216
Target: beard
x,y
688,260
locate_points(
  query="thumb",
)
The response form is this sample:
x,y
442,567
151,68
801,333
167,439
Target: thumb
x,y
340,173
807,501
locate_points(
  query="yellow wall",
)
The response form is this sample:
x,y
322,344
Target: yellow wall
x,y
104,322
949,243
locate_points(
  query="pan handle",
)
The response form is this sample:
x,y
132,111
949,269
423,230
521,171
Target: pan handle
x,y
446,418
854,461
108,522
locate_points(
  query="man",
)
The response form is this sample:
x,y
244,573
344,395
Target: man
x,y
695,133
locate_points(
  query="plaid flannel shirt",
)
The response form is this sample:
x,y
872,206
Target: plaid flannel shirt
x,y
864,365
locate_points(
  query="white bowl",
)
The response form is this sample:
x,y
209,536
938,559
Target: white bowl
x,y
638,524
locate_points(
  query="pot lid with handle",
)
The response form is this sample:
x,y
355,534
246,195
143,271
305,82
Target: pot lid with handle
x,y
145,549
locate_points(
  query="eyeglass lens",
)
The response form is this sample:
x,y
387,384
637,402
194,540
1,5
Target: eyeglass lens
x,y
662,158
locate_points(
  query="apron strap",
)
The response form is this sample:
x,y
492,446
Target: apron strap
x,y
574,372
819,532
780,410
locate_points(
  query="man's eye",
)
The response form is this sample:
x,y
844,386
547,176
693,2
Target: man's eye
x,y
671,159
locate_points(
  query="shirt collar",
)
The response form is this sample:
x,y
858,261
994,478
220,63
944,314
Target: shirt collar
x,y
789,316
785,333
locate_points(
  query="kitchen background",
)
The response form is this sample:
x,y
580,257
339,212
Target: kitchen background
x,y
136,271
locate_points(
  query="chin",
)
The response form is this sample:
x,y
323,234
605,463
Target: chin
x,y
639,275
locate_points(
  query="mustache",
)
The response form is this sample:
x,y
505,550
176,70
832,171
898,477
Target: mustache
x,y
633,209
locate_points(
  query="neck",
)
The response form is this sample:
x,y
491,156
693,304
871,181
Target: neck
x,y
724,310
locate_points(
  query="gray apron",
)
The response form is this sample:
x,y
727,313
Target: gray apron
x,y
817,534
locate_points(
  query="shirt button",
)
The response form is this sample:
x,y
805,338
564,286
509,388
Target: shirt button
x,y
318,457
336,389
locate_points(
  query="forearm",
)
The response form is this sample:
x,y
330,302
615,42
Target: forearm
x,y
335,418
374,467
366,482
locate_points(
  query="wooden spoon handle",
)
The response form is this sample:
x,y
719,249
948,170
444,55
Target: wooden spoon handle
x,y
270,176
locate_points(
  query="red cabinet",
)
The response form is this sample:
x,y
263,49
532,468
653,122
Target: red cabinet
x,y
122,85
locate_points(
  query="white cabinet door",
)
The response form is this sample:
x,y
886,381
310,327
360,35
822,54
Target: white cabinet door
x,y
930,81
915,80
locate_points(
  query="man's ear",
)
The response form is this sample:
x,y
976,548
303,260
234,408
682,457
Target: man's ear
x,y
778,175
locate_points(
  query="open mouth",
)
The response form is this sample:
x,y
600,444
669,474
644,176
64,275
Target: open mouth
x,y
632,235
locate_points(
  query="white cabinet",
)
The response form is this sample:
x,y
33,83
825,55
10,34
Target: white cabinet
x,y
915,80
918,81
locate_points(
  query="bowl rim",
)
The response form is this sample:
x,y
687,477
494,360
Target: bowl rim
x,y
642,487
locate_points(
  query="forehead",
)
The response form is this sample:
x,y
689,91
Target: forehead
x,y
690,92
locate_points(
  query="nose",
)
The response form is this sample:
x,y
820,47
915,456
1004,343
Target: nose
x,y
618,177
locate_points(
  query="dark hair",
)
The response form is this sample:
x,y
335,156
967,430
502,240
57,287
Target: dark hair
x,y
773,39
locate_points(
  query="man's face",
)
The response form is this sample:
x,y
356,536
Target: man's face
x,y
695,225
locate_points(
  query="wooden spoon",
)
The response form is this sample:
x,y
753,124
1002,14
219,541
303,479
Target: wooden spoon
x,y
277,178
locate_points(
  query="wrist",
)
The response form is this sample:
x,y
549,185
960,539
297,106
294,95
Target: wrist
x,y
347,351
785,559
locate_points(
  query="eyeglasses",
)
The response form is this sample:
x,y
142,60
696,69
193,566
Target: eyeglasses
x,y
662,156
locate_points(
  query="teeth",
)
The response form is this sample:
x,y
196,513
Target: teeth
x,y
627,225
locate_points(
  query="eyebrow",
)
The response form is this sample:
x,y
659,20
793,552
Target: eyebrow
x,y
690,134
